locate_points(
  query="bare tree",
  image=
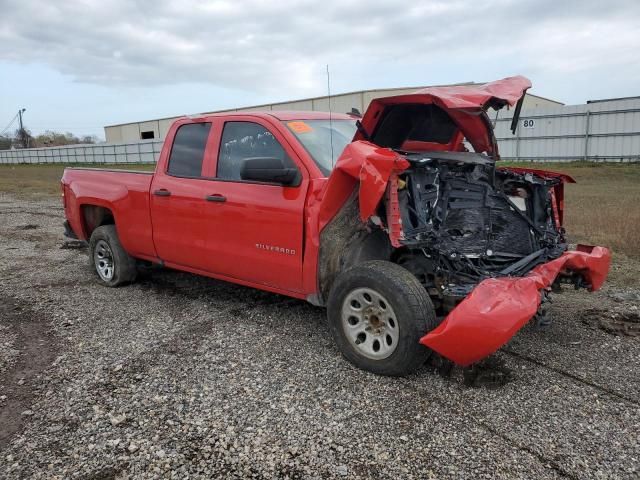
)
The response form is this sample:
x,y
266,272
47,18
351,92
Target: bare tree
x,y
5,142
56,139
23,138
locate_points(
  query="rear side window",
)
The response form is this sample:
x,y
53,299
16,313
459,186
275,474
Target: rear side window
x,y
242,140
187,152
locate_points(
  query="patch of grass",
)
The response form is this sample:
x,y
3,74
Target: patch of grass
x,y
31,180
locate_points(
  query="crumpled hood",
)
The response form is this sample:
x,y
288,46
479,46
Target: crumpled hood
x,y
466,105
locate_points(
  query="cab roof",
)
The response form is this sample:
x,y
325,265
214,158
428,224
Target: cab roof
x,y
284,115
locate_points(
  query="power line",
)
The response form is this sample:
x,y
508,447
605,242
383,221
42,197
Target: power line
x,y
10,123
23,135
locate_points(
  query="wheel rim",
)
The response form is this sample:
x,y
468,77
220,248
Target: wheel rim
x,y
103,260
369,323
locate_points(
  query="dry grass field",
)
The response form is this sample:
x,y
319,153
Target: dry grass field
x,y
30,180
602,208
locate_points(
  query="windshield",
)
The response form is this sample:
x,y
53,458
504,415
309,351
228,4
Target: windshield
x,y
317,137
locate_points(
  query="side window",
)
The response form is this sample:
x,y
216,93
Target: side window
x,y
242,140
187,152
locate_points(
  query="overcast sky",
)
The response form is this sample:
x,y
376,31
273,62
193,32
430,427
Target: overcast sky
x,y
80,65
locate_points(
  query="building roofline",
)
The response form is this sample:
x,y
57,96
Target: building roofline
x,y
319,97
545,98
599,100
288,101
154,119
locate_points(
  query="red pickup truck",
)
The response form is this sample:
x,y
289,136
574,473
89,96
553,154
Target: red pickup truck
x,y
399,222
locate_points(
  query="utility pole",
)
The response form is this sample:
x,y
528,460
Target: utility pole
x,y
23,134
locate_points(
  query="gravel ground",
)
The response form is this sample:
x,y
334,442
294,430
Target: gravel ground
x,y
180,376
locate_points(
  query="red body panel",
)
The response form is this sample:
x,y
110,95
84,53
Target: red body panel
x,y
255,235
126,194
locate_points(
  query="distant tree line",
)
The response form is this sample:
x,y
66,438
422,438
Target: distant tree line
x,y
49,138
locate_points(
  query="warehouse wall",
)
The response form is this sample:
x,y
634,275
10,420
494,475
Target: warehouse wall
x,y
342,103
598,131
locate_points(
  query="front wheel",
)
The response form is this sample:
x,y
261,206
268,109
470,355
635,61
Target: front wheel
x,y
377,312
111,262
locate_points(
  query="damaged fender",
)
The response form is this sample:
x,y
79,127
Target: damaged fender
x,y
498,307
364,163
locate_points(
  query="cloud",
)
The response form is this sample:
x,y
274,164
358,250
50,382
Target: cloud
x,y
269,46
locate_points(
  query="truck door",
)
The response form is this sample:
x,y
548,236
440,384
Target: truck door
x,y
255,230
177,197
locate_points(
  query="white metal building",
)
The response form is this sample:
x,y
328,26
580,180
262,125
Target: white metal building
x,y
599,130
343,103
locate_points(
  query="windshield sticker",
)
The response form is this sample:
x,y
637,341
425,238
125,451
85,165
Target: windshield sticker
x,y
299,127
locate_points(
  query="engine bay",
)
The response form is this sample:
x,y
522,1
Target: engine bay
x,y
464,220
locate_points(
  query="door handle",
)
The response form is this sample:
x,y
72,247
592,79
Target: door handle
x,y
163,192
215,198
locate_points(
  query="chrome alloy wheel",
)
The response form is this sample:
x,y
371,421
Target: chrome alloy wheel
x,y
369,323
103,260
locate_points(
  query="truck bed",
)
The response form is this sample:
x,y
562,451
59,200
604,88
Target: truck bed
x,y
116,170
124,194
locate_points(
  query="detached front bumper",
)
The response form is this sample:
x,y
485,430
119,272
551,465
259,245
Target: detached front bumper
x,y
498,307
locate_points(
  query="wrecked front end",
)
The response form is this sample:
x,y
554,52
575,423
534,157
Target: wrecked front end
x,y
487,243
462,220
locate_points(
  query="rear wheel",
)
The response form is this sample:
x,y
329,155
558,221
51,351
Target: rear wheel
x,y
113,265
378,311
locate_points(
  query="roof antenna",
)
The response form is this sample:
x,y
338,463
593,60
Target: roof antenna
x,y
330,119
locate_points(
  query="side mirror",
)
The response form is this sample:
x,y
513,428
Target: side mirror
x,y
268,169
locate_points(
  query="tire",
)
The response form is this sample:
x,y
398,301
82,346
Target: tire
x,y
407,315
112,264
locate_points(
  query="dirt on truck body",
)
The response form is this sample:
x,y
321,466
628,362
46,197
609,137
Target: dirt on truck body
x,y
411,239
